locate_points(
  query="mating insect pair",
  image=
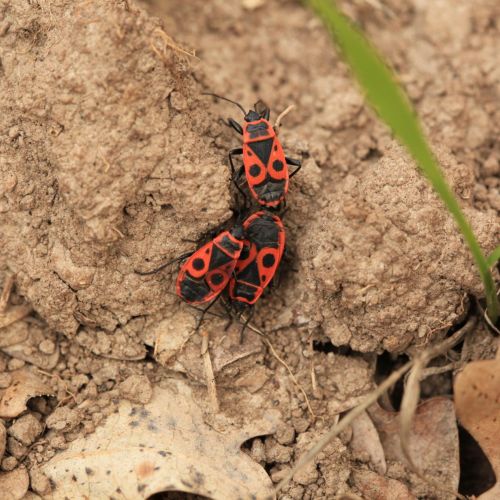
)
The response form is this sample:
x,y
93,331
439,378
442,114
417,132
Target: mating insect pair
x,y
243,259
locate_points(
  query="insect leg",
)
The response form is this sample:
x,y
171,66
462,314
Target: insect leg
x,y
210,313
163,266
203,312
294,163
245,324
232,123
227,307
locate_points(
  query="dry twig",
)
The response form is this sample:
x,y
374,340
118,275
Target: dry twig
x,y
277,123
209,373
168,42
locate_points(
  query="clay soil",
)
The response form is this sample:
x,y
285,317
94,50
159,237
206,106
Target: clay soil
x,y
111,161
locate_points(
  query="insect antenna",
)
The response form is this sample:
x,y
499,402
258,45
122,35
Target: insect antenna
x,y
163,266
225,99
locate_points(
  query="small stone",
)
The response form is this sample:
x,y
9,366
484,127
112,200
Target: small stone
x,y
9,463
276,452
285,434
47,346
63,418
5,380
15,482
15,448
300,424
25,429
58,442
14,132
307,475
108,372
15,364
278,475
137,389
258,452
39,482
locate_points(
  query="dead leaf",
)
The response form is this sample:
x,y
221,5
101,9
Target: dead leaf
x,y
477,402
376,487
365,440
162,446
433,440
25,385
14,484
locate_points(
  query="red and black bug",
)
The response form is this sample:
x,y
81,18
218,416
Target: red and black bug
x,y
263,248
264,162
246,258
208,270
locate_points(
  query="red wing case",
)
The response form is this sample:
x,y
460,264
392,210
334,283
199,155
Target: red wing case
x,y
266,170
207,272
261,255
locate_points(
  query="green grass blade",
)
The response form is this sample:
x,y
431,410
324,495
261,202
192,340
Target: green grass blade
x,y
394,108
494,257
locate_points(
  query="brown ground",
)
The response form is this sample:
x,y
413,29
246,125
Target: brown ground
x,y
110,160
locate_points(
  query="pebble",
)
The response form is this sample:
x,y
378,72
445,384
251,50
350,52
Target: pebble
x,y
257,452
276,452
47,346
39,482
15,448
15,364
58,442
300,424
9,463
285,434
25,429
63,418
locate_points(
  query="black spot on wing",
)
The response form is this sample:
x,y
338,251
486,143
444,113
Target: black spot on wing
x,y
278,165
268,260
217,278
254,170
198,264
